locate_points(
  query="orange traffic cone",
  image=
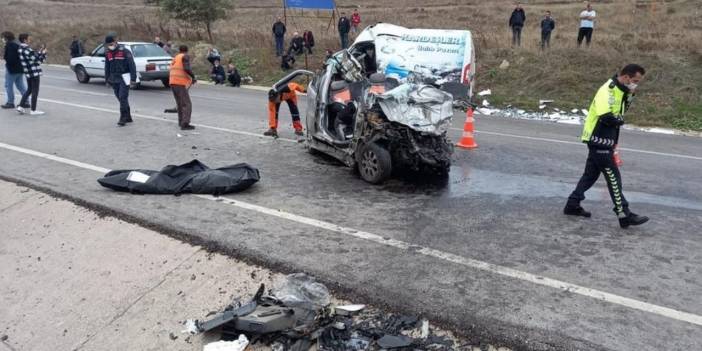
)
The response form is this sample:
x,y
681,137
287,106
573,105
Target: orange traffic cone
x,y
617,160
467,141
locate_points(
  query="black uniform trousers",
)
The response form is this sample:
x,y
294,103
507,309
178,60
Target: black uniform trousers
x,y
601,161
122,94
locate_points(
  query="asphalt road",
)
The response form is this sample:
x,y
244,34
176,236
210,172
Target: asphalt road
x,y
486,251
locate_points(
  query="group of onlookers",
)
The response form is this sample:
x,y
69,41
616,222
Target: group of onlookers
x,y
22,64
518,19
217,72
299,44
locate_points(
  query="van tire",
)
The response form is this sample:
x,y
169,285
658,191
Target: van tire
x,y
374,163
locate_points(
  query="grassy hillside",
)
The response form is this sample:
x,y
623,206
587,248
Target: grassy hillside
x,y
664,36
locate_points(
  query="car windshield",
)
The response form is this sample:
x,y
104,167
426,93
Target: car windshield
x,y
147,50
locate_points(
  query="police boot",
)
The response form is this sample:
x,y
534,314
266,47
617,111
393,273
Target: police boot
x,y
576,211
632,219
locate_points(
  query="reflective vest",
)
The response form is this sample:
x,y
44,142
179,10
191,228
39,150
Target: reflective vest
x,y
292,96
378,88
609,99
342,96
178,76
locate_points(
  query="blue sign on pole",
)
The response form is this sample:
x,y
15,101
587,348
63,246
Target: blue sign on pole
x,y
311,4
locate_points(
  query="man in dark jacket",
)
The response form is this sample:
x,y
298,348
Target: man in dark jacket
x,y
344,27
120,73
13,70
308,37
297,45
516,22
279,36
233,76
76,48
547,26
601,134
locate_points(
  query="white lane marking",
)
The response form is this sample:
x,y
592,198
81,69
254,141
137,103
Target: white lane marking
x,y
54,158
398,244
161,119
577,143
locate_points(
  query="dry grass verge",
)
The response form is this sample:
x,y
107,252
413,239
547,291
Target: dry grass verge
x,y
664,36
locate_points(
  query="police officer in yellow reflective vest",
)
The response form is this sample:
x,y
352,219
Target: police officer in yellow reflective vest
x,y
601,133
180,79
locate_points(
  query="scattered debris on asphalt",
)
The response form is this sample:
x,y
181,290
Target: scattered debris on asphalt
x,y
192,177
298,314
239,344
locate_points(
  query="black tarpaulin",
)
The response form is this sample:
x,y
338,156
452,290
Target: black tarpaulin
x,y
192,177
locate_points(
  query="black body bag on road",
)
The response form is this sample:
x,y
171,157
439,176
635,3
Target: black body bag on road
x,y
192,177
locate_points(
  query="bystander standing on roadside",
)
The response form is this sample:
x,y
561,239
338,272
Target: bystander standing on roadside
x,y
168,48
157,41
548,24
587,25
14,74
76,48
180,78
31,65
120,74
355,21
344,27
516,22
279,36
308,37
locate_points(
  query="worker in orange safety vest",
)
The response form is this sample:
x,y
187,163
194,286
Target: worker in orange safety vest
x,y
289,95
180,79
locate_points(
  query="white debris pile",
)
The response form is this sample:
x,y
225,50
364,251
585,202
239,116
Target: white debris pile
x,y
545,113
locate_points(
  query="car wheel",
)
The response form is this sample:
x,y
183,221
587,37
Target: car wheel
x,y
166,82
375,164
82,75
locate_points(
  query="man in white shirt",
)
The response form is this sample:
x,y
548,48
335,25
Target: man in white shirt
x,y
587,24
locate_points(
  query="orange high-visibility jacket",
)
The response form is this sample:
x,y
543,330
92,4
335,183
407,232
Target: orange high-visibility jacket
x,y
292,95
178,75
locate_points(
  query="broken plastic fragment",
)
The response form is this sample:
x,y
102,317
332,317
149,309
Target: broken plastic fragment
x,y
191,327
348,309
544,102
541,107
486,103
301,290
393,342
236,345
575,110
425,329
485,92
584,111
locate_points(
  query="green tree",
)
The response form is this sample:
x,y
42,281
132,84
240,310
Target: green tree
x,y
203,12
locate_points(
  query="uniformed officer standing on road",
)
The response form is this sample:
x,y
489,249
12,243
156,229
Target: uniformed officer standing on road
x,y
118,62
601,133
